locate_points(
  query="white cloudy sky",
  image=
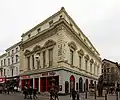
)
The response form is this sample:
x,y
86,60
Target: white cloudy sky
x,y
98,19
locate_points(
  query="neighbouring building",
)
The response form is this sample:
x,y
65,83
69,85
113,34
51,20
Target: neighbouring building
x,y
3,67
110,72
56,52
13,63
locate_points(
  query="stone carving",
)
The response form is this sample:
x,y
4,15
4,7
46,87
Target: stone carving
x,y
27,52
87,57
72,45
49,43
81,52
59,49
36,48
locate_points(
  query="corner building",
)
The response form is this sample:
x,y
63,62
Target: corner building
x,y
56,51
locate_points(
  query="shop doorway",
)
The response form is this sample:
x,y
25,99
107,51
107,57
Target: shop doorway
x,y
72,82
46,83
66,87
37,83
80,84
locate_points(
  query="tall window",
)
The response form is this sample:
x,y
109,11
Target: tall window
x,y
98,70
4,72
71,57
44,58
8,53
1,62
28,62
33,62
12,72
94,69
8,72
16,70
12,51
90,67
4,62
16,58
50,57
80,61
8,61
86,62
12,60
16,49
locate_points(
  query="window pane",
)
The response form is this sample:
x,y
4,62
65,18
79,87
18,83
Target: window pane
x,y
50,57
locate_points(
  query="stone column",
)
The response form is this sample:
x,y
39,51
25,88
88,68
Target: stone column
x,y
33,82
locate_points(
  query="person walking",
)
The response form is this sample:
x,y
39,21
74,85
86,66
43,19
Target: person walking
x,y
25,92
77,95
30,90
56,93
35,93
73,94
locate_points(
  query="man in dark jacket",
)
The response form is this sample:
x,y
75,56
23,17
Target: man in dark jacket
x,y
30,90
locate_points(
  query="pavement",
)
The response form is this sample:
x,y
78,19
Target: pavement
x,y
19,96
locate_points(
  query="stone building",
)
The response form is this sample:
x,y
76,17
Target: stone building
x,y
110,72
57,52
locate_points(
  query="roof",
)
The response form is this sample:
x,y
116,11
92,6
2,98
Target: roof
x,y
61,10
116,63
17,44
3,55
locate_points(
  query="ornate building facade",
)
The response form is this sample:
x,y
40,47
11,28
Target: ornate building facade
x,y
57,52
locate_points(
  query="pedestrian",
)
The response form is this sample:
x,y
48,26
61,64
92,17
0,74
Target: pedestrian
x,y
51,93
73,94
30,90
56,93
35,93
77,95
25,92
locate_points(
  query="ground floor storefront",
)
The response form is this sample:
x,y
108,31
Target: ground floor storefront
x,y
64,79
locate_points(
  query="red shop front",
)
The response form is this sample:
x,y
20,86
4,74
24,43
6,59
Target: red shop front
x,y
46,81
26,81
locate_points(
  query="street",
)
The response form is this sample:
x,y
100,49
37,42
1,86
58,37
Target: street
x,y
19,96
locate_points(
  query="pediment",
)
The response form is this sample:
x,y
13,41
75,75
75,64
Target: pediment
x,y
27,52
36,48
91,60
81,52
72,45
87,57
49,43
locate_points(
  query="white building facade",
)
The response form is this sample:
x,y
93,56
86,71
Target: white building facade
x,y
56,52
12,60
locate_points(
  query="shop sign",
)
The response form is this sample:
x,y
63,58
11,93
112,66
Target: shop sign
x,y
25,77
48,73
